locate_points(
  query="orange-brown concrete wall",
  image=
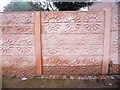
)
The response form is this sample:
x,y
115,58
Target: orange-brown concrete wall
x,y
59,42
72,42
114,44
114,35
17,43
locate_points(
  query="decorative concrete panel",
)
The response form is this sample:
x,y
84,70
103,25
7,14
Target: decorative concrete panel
x,y
70,60
72,22
17,17
114,44
72,42
17,29
17,45
68,65
68,42
115,18
68,39
73,50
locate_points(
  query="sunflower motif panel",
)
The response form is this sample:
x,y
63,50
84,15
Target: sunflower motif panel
x,y
17,43
67,37
114,43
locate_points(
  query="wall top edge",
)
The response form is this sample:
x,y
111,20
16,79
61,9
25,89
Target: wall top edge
x,y
49,11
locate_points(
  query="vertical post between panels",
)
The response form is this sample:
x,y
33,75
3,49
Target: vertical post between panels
x,y
38,53
106,50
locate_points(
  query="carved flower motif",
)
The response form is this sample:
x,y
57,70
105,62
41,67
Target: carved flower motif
x,y
92,22
52,23
90,50
23,28
22,18
7,46
24,46
53,45
115,43
53,61
71,69
6,29
90,66
72,22
52,70
22,62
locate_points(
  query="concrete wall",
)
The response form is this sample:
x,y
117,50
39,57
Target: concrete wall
x,y
68,42
114,35
17,43
72,42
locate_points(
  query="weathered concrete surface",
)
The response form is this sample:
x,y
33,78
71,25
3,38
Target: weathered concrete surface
x,y
17,43
66,42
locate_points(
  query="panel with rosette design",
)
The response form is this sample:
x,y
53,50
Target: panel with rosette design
x,y
17,43
114,44
72,42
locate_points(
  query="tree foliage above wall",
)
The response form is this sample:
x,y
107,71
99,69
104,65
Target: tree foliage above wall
x,y
67,6
17,6
48,6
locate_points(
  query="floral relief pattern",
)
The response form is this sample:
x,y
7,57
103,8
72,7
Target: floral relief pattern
x,y
52,27
52,44
22,62
22,18
72,22
17,29
7,18
72,69
115,69
7,29
22,23
18,65
115,22
52,70
90,50
15,47
52,23
90,66
52,17
115,43
7,46
23,28
55,65
92,22
24,46
115,19
63,49
114,58
54,50
18,23
115,49
13,18
53,62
